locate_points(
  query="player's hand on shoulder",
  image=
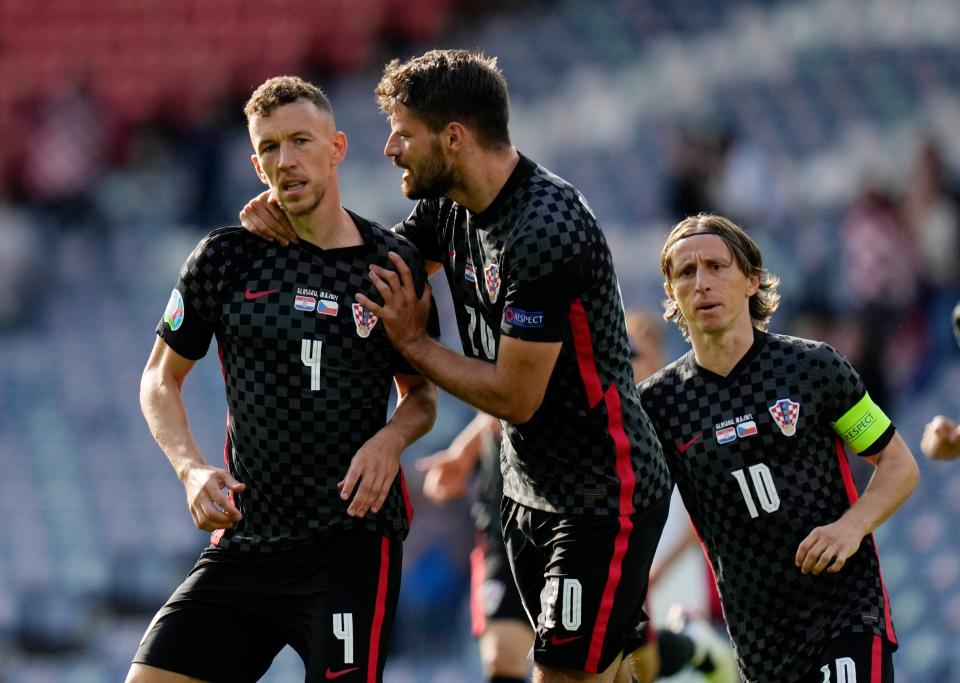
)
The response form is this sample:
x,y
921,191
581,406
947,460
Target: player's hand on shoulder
x,y
263,217
941,439
210,506
446,476
371,473
828,547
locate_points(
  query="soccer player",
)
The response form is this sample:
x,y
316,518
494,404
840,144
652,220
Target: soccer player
x,y
308,513
498,619
941,436
541,321
754,427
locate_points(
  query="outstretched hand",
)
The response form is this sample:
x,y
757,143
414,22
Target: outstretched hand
x,y
941,439
263,217
446,476
403,314
210,507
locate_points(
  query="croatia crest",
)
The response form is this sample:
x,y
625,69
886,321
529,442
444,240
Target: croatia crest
x,y
364,320
491,278
785,413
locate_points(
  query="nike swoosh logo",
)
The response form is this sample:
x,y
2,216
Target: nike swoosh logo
x,y
331,674
554,640
682,447
250,296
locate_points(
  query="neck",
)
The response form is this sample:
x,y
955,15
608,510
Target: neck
x,y
719,353
327,227
482,174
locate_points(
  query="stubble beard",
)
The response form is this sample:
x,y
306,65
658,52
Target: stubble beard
x,y
433,179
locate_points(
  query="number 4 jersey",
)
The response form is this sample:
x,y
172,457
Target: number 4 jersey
x,y
307,370
759,459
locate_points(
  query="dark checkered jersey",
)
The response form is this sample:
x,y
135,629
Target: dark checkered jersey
x,y
308,373
759,459
535,266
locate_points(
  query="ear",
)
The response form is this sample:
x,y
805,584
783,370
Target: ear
x,y
753,285
668,290
260,174
340,146
455,135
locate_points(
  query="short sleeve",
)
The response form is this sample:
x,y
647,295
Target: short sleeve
x,y
856,419
422,227
542,274
193,310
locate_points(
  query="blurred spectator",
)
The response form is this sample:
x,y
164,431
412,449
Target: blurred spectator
x,y
64,153
931,216
20,239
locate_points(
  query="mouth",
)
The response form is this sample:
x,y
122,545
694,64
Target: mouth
x,y
290,187
707,307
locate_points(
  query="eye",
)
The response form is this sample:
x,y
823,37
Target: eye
x,y
267,147
301,141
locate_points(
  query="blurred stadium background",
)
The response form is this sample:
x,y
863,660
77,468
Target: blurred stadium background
x,y
830,128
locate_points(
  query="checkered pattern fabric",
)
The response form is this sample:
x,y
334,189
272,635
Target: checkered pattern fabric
x,y
755,494
535,266
305,386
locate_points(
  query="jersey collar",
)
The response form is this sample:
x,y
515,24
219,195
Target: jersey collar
x,y
759,341
523,170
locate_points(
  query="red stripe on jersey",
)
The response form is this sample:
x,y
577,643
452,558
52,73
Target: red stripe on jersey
x,y
378,611
407,503
583,345
876,661
478,618
852,496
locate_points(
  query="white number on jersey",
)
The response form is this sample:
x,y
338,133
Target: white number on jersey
x,y
486,334
762,484
343,630
846,671
310,355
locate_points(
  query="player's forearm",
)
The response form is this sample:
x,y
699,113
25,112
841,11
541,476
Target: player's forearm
x,y
414,415
473,381
892,483
166,416
468,444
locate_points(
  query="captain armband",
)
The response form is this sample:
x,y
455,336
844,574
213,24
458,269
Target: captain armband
x,y
862,425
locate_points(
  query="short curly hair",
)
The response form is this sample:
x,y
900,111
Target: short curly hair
x,y
280,90
441,86
745,252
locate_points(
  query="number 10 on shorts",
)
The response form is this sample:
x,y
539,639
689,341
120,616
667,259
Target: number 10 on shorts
x,y
571,599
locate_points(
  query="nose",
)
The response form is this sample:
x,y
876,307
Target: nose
x,y
392,148
702,280
288,158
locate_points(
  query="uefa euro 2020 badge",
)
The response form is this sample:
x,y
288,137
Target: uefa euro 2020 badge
x,y
785,413
364,320
173,315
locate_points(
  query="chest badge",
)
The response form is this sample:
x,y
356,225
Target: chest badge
x,y
785,413
491,278
364,320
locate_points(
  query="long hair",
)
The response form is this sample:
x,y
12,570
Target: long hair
x,y
746,254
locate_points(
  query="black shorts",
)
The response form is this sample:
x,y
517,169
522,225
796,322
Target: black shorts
x,y
583,580
854,658
334,602
493,592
